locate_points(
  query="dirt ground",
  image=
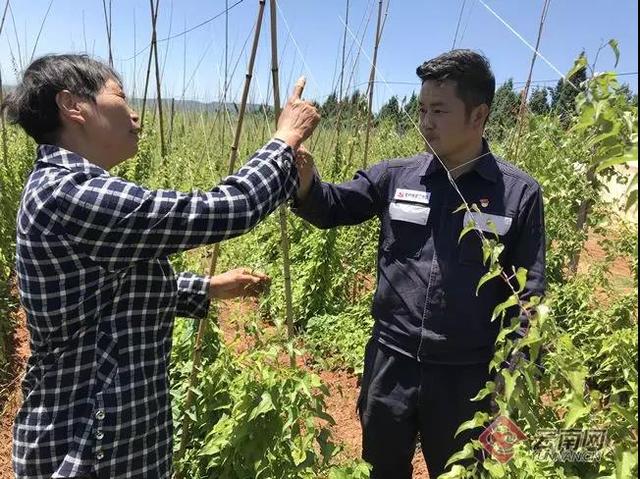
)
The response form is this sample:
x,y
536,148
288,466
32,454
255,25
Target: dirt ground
x,y
10,396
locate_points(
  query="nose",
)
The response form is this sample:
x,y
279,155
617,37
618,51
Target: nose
x,y
135,117
427,121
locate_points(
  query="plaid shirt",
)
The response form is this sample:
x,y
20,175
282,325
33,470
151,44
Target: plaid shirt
x,y
101,297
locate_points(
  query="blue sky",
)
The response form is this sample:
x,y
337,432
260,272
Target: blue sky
x,y
310,35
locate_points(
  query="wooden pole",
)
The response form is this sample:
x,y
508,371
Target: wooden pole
x,y
154,48
341,102
3,127
196,357
525,91
107,21
284,236
154,15
372,78
171,118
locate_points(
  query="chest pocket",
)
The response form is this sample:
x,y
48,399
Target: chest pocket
x,y
470,247
407,231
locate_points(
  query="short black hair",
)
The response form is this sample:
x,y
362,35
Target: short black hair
x,y
32,105
475,83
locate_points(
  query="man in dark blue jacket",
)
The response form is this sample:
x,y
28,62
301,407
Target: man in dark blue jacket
x,y
433,337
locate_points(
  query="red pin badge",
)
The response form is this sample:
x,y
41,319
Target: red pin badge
x,y
484,202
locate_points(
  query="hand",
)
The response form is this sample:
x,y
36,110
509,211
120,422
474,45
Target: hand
x,y
298,118
306,171
238,283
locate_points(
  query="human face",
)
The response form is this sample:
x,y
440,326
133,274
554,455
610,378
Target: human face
x,y
449,130
111,125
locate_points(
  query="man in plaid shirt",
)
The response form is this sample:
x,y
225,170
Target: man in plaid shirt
x,y
94,274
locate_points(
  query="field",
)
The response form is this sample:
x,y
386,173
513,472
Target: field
x,y
273,394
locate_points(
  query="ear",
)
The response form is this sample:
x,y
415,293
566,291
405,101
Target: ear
x,y
479,116
70,107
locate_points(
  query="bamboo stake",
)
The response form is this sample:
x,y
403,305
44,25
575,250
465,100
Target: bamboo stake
x,y
284,236
15,33
223,133
171,116
372,78
525,92
341,102
146,82
135,65
455,37
154,48
5,154
5,148
107,22
196,357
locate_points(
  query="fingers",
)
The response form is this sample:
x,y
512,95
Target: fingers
x,y
251,283
298,89
257,286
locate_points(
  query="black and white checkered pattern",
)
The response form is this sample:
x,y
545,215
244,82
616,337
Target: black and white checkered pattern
x,y
101,297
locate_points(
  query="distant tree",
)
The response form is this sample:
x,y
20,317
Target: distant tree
x,y
390,110
330,107
410,116
506,103
632,98
539,102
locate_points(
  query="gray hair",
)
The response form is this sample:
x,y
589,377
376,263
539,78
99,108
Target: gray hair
x,y
32,105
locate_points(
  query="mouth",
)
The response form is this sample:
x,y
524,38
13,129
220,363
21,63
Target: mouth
x,y
136,131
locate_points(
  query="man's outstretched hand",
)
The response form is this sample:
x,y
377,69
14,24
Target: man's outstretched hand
x,y
306,172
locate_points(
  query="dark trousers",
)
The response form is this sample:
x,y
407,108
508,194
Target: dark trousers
x,y
401,397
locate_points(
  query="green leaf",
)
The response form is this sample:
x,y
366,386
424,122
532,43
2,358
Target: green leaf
x,y
579,64
466,453
492,226
577,410
632,199
521,277
196,391
626,464
489,389
470,227
479,419
629,416
613,43
495,469
493,273
509,384
456,472
629,155
298,454
462,207
265,405
577,380
501,309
